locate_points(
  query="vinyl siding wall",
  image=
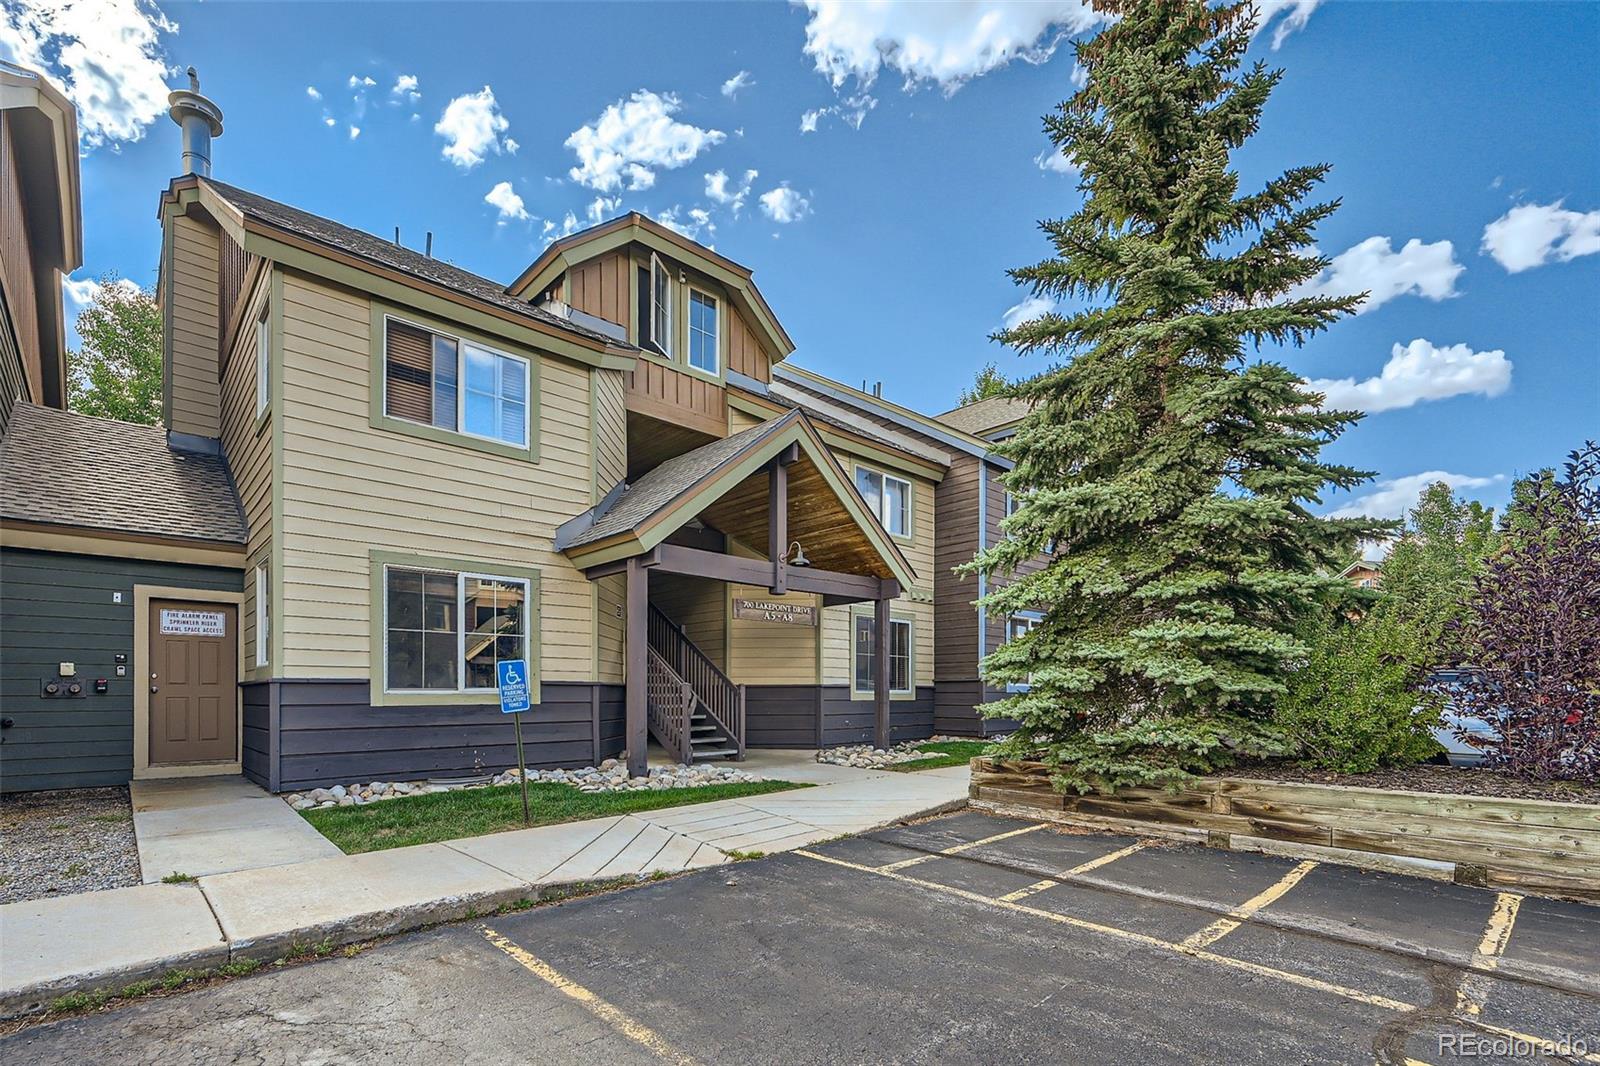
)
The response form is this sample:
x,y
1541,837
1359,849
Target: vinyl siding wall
x,y
193,397
700,606
248,448
349,488
58,608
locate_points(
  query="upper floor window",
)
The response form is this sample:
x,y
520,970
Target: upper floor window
x,y
703,350
447,631
889,498
263,363
452,384
660,308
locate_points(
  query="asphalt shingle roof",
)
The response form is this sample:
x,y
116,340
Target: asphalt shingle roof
x,y
661,486
61,468
979,418
395,256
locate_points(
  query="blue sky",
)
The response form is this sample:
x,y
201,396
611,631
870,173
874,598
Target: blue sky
x,y
1463,138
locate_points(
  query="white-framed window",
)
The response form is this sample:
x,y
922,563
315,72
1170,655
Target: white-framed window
x,y
447,631
660,306
704,354
263,615
1012,503
1020,625
437,380
889,497
863,630
263,363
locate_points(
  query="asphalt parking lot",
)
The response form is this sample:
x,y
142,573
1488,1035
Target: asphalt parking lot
x,y
967,938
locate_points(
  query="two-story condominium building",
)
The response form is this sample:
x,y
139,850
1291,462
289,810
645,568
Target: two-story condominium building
x,y
382,475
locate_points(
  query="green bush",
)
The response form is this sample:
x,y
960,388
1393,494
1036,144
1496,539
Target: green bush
x,y
1355,706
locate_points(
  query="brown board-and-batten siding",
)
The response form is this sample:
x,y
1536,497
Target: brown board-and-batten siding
x,y
57,608
329,733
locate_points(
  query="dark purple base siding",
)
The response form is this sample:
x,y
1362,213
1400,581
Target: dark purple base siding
x,y
848,721
781,716
256,757
956,710
329,733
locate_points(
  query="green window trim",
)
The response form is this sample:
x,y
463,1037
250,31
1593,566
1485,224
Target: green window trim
x,y
377,600
910,535
859,610
379,419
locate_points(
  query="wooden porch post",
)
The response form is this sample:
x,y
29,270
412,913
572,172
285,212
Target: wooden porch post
x,y
778,527
880,671
638,641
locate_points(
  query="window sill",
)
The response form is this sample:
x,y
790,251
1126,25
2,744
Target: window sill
x,y
690,368
857,696
446,698
524,453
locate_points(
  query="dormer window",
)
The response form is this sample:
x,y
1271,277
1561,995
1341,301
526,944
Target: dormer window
x,y
660,335
703,334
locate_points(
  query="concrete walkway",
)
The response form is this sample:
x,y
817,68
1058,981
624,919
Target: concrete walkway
x,y
109,939
212,825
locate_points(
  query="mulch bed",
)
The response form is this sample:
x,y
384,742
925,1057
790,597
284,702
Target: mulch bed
x,y
59,843
1427,777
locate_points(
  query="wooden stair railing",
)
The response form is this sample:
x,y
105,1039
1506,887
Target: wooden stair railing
x,y
721,699
671,704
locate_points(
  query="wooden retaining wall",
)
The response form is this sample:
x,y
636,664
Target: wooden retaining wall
x,y
1547,847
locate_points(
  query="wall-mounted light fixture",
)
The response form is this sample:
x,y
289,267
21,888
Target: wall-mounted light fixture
x,y
797,555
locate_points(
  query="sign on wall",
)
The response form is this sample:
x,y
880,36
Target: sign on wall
x,y
177,622
792,614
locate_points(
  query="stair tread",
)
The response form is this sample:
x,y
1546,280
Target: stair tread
x,y
699,754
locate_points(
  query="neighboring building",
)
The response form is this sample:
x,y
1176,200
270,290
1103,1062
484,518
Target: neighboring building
x,y
1364,573
381,476
39,237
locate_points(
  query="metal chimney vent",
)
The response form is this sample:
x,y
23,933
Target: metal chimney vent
x,y
200,120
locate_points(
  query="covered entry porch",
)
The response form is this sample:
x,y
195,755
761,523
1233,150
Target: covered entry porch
x,y
767,509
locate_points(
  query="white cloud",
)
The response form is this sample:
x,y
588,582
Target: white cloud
x,y
808,121
313,92
1531,235
689,223
81,292
784,205
329,121
1374,266
633,138
741,80
1420,371
1296,13
404,90
472,127
105,54
355,131
1053,159
719,191
505,199
1026,311
1394,497
361,83
944,43
851,110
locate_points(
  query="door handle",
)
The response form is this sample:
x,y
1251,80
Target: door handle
x,y
155,688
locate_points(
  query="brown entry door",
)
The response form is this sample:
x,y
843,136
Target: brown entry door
x,y
194,674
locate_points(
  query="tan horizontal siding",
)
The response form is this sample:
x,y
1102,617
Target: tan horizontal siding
x,y
349,489
249,456
195,398
611,467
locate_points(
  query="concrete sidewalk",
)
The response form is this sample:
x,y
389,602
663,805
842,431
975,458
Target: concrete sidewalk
x,y
212,825
109,939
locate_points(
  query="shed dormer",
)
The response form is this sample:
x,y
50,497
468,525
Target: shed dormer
x,y
697,316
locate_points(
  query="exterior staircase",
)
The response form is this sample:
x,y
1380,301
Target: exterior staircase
x,y
696,712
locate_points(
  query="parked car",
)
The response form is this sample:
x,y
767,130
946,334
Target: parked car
x,y
1464,737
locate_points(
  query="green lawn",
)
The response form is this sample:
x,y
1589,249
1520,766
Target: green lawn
x,y
951,753
475,811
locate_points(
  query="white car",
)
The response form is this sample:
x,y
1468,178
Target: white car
x,y
1464,737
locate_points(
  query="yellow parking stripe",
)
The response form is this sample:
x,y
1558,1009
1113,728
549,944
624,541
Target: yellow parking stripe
x,y
1081,868
1496,935
1299,980
637,1032
1223,926
959,848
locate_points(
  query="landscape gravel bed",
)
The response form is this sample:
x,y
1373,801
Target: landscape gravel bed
x,y
68,841
1427,777
610,776
867,757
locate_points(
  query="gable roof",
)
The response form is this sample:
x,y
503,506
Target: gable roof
x,y
647,511
986,416
65,469
379,251
562,254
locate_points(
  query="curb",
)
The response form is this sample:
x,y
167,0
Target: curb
x,y
1534,973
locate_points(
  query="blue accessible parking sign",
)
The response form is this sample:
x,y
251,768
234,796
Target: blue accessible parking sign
x,y
514,687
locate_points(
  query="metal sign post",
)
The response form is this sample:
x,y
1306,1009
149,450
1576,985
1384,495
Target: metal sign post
x,y
514,701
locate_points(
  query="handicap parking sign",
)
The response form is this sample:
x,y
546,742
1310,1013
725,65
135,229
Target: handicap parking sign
x,y
514,687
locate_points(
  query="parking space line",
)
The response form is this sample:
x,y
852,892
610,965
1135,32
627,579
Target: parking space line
x,y
639,1033
959,848
1081,868
1496,935
1240,914
1355,995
